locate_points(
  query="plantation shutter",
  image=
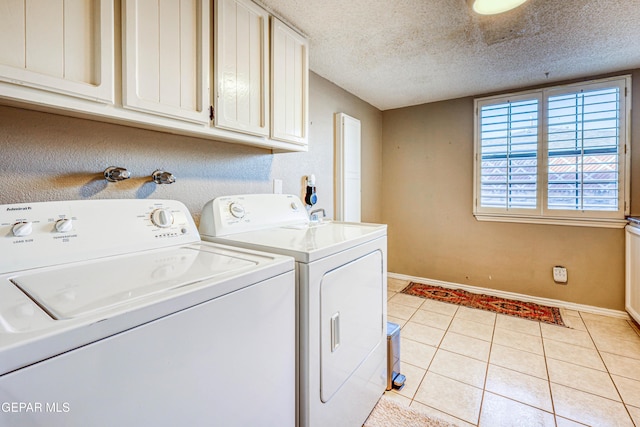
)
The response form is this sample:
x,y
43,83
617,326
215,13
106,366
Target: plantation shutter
x,y
556,155
583,150
508,144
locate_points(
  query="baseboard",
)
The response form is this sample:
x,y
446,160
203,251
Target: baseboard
x,y
516,296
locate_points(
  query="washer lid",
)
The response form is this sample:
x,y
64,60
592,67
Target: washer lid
x,y
81,289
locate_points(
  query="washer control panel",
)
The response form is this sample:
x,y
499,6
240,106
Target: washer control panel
x,y
250,212
49,233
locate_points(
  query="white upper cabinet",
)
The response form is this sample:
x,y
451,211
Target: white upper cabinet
x,y
166,61
241,67
289,84
61,46
227,74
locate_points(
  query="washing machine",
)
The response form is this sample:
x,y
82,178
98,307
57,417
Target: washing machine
x,y
341,275
115,313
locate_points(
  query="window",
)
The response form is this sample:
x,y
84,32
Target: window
x,y
557,155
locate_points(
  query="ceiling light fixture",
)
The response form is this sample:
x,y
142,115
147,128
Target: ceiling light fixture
x,y
493,7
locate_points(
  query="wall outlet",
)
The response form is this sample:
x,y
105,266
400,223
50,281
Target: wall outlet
x,y
559,274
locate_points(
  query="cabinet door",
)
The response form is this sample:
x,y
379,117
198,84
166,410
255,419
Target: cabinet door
x,y
62,46
166,58
289,84
241,67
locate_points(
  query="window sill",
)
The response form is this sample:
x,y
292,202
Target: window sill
x,y
574,222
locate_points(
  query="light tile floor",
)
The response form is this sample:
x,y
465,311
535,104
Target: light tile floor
x,y
477,368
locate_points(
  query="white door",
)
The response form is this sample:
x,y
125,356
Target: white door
x,y
351,316
347,168
241,67
289,84
166,58
59,46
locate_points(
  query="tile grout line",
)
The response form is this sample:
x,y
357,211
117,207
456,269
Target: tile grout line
x,y
546,367
455,313
486,373
553,413
624,404
431,362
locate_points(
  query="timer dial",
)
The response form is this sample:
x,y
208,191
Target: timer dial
x,y
162,218
237,210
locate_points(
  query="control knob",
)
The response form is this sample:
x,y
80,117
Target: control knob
x,y
22,229
237,210
64,225
162,218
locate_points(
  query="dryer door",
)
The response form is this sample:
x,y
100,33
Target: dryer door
x,y
351,319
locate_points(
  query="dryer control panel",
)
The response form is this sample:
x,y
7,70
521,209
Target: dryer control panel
x,y
250,212
49,233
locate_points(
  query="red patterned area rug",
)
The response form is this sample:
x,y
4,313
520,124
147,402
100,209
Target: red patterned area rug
x,y
525,310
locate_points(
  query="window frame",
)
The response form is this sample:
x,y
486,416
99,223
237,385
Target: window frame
x,y
542,214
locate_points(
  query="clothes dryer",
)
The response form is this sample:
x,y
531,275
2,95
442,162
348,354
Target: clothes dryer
x,y
341,276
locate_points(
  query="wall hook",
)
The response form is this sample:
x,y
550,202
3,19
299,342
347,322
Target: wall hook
x,y
162,177
114,174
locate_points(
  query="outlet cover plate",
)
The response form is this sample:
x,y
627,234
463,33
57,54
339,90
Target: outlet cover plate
x,y
559,274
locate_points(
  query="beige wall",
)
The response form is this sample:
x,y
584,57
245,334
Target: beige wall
x,y
50,157
417,177
427,193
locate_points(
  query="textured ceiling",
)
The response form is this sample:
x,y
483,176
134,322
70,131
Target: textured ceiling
x,y
396,53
